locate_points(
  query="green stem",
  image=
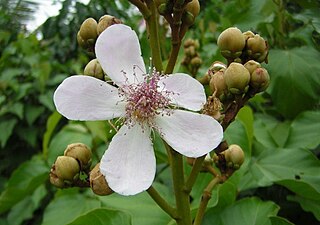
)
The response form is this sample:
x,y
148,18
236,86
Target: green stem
x,y
173,57
164,205
152,23
197,165
182,197
206,196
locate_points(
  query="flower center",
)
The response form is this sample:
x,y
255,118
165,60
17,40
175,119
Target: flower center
x,y
145,100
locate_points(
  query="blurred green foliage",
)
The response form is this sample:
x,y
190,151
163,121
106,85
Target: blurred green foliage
x,y
279,130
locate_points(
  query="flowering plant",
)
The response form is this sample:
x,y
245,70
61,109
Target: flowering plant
x,y
174,105
146,102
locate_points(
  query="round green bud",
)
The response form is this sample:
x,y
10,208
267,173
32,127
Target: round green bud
x,y
94,69
252,65
80,152
66,168
98,182
191,12
88,29
257,48
260,79
237,78
54,179
235,156
248,34
80,41
231,43
193,7
196,62
190,51
218,84
105,22
189,42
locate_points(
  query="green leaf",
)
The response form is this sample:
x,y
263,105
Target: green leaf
x,y
32,112
305,131
276,220
52,122
67,206
6,127
71,133
263,126
24,180
237,133
47,100
24,209
309,205
247,211
98,129
103,216
295,79
141,207
246,116
17,109
296,169
29,134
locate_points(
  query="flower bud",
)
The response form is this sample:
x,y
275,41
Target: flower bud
x,y
191,12
218,84
88,29
251,66
105,22
248,34
54,179
189,42
231,43
235,156
66,168
215,67
81,42
190,51
80,152
94,69
98,182
237,78
260,79
196,62
257,48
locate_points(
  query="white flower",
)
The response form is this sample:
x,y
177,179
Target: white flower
x,y
146,103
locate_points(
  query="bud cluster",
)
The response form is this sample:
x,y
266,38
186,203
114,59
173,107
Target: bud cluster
x,y
66,170
243,77
89,31
73,170
191,60
190,12
240,47
230,159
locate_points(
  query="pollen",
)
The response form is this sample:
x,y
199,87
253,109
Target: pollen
x,y
145,100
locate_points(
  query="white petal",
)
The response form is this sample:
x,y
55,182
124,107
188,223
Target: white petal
x,y
129,163
187,91
86,98
118,51
189,133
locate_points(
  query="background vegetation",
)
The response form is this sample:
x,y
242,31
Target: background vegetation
x,y
279,130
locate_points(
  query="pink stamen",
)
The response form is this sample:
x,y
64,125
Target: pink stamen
x,y
145,101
